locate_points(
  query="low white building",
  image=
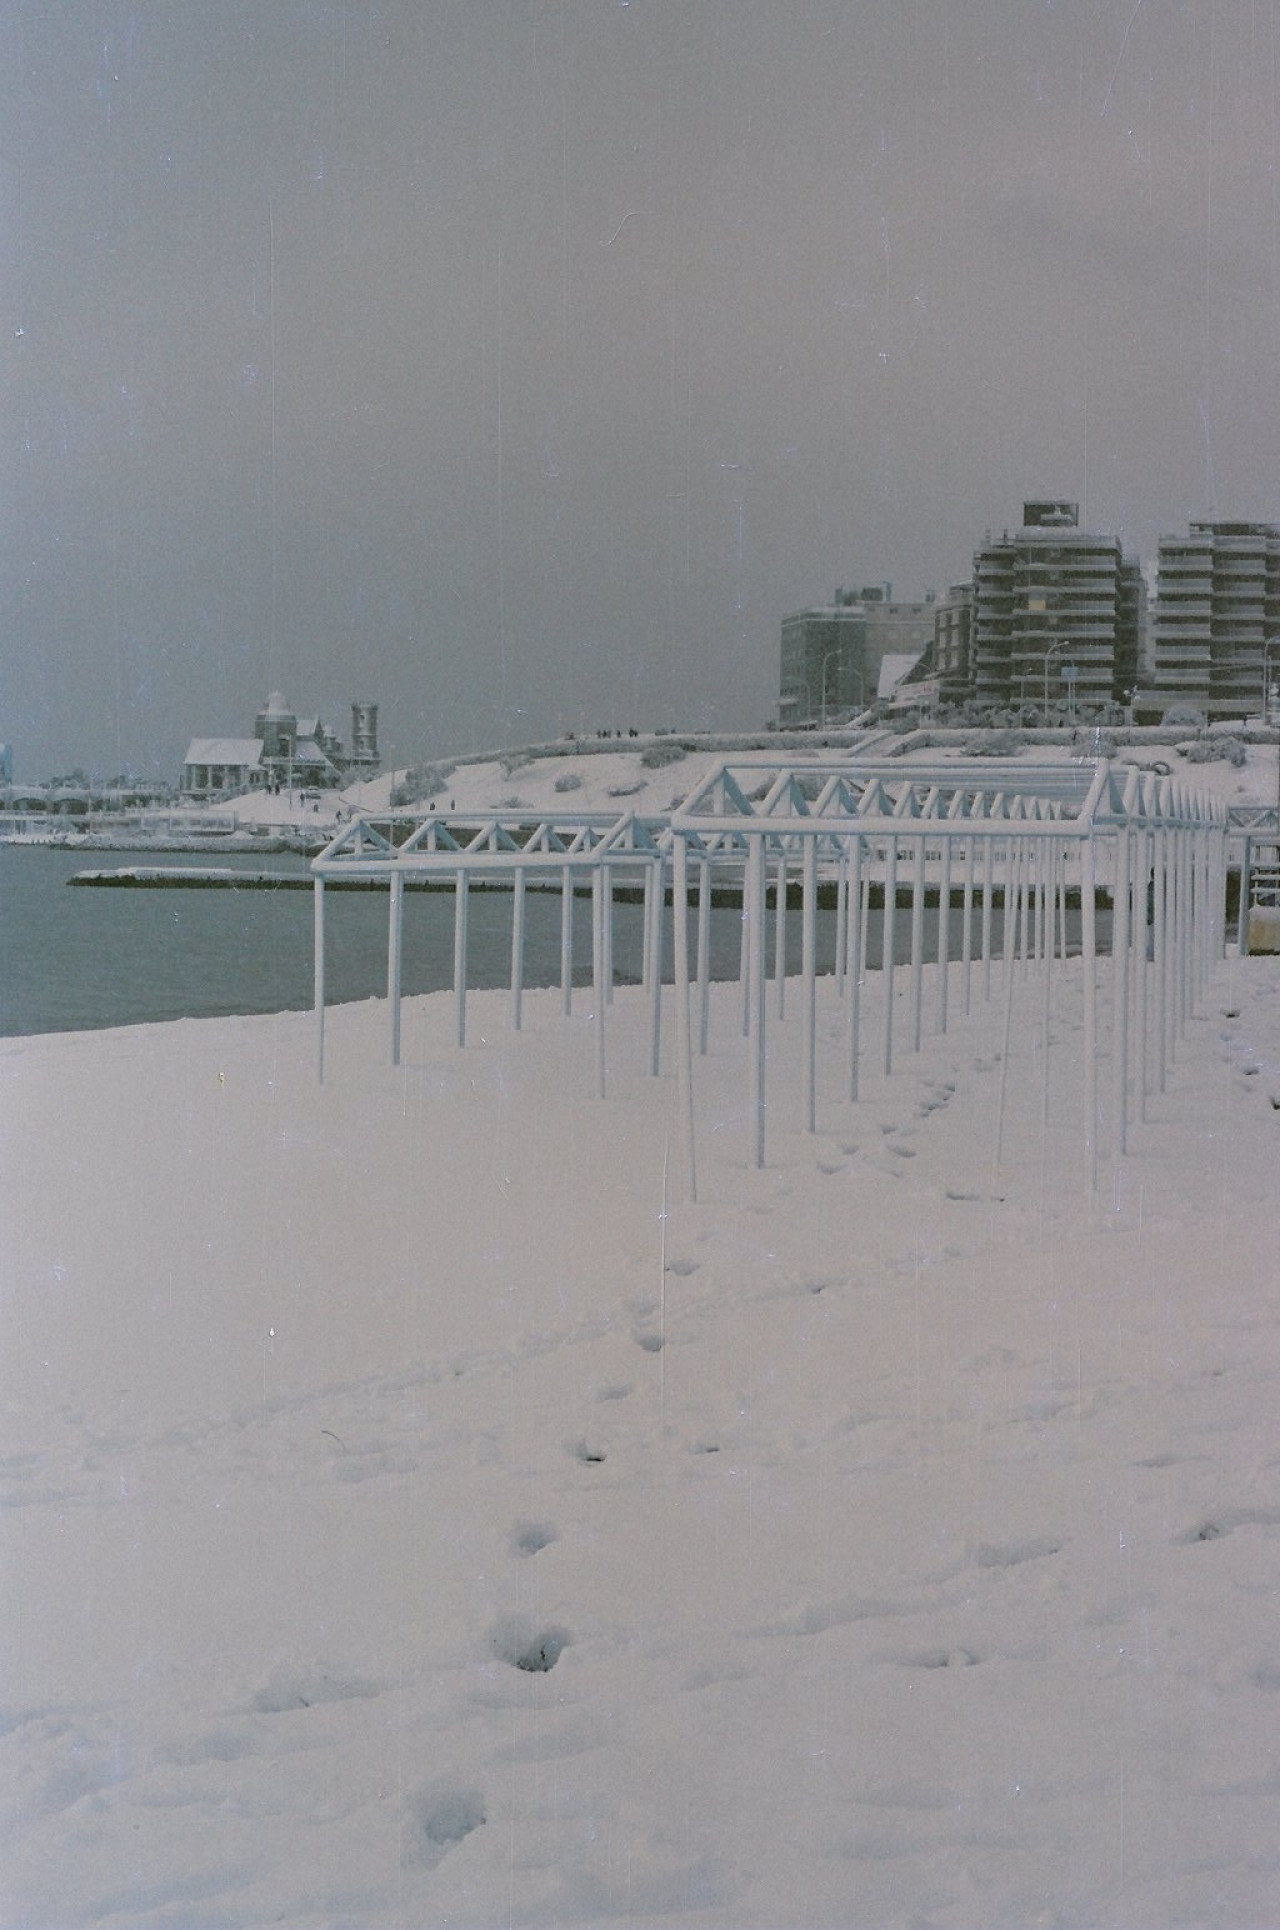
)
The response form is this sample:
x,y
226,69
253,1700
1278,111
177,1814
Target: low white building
x,y
222,766
285,750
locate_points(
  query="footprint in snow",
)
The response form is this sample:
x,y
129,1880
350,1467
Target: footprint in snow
x,y
532,1647
439,1816
290,1687
1225,1521
1011,1554
531,1537
935,1658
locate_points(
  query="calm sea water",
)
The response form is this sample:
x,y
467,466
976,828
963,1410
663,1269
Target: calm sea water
x,y
76,958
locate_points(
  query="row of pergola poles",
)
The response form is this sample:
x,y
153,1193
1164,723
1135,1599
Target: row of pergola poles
x,y
1167,890
852,860
1166,883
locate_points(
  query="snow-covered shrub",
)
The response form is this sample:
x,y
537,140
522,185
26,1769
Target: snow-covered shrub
x,y
995,743
1214,750
568,781
423,781
654,756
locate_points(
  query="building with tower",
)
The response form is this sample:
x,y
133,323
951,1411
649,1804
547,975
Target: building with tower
x,y
285,751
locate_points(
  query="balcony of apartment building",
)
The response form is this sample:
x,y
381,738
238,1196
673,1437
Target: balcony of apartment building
x,y
1172,633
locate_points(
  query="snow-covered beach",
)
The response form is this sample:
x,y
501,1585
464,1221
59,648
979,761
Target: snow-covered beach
x,y
416,1513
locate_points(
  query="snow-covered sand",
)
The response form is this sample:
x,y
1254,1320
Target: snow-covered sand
x,y
416,1514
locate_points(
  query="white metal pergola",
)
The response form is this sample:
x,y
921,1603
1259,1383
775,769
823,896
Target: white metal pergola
x,y
969,836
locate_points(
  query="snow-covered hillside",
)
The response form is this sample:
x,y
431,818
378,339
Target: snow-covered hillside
x,y
654,775
416,1514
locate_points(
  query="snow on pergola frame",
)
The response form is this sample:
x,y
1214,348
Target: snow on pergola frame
x,y
1022,836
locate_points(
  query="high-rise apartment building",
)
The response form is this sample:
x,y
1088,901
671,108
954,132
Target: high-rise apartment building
x,y
1217,607
831,656
953,643
1057,612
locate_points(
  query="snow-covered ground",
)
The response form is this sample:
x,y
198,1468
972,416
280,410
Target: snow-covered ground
x,y
618,779
415,1513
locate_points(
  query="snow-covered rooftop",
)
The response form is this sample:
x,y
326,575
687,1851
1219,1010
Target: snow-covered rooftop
x,y
224,750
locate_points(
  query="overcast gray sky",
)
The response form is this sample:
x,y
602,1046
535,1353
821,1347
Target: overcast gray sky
x,y
518,364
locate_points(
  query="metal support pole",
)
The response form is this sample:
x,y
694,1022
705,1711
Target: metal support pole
x,y
1160,946
864,921
317,890
842,899
887,924
1063,950
566,939
517,946
395,929
655,892
598,969
1242,910
704,952
1089,949
1142,961
809,977
780,936
608,935
944,930
1220,892
756,975
917,943
684,1037
1042,861
858,894
966,942
1009,936
1049,858
744,953
1205,919
1024,910
1182,927
460,907
988,892
646,929
1120,915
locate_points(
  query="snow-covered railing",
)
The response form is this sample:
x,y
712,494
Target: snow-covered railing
x,y
1025,840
